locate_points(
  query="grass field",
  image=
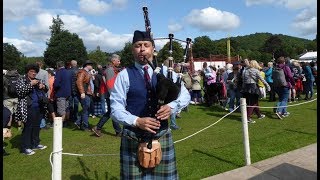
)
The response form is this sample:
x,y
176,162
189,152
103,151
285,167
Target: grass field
x,y
214,150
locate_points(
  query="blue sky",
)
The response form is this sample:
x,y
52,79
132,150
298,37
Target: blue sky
x,y
111,23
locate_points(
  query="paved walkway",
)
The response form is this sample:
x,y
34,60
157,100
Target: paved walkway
x,y
294,165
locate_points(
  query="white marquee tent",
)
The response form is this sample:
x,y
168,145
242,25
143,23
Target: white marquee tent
x,y
308,57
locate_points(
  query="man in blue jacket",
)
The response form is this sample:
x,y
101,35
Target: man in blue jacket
x,y
62,87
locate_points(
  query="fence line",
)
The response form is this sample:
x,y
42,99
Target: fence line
x,y
262,107
55,152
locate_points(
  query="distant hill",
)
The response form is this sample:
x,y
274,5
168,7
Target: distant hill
x,y
257,40
253,45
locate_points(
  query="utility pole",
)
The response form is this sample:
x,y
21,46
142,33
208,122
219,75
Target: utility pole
x,y
228,49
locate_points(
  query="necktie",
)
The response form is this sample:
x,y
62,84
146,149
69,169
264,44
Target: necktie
x,y
147,77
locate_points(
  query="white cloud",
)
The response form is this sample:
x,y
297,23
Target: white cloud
x,y
299,4
290,4
39,31
306,22
28,48
257,2
120,3
94,7
174,27
160,43
91,35
211,19
15,10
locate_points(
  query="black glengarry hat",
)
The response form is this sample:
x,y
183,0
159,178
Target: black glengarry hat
x,y
141,36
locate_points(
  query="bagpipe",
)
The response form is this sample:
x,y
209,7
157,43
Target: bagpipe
x,y
166,89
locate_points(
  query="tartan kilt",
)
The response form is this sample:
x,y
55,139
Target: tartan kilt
x,y
97,108
131,169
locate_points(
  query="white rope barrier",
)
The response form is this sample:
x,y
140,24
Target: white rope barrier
x,y
206,127
285,106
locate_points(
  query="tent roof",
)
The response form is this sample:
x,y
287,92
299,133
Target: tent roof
x,y
309,55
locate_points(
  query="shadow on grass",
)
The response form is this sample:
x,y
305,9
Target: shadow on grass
x,y
236,117
286,171
85,175
301,132
15,141
219,158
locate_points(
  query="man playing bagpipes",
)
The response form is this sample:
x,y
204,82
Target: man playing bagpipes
x,y
147,150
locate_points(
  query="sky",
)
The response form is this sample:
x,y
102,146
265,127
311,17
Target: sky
x,y
111,23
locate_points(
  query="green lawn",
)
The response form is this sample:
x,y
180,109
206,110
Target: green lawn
x,y
214,150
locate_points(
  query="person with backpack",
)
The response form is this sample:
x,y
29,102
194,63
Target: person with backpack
x,y
283,81
109,78
10,95
250,88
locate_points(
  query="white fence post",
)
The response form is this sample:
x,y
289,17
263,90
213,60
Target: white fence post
x,y
57,148
243,107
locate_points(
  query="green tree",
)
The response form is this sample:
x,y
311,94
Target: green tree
x,y
202,47
219,47
11,56
177,52
98,56
57,26
27,60
242,53
312,45
274,45
126,55
63,45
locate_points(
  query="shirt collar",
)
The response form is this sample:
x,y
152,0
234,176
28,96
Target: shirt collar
x,y
139,66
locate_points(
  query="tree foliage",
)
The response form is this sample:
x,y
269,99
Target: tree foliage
x,y
11,56
177,52
98,56
202,47
126,55
27,60
57,26
65,47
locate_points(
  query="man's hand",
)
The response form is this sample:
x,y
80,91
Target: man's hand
x,y
83,95
164,112
148,124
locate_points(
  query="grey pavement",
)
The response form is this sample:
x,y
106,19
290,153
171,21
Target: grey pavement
x,y
294,165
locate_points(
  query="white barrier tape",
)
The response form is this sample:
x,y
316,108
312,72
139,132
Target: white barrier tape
x,y
206,127
72,154
262,107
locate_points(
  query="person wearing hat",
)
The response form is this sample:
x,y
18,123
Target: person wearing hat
x,y
134,104
29,109
84,92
